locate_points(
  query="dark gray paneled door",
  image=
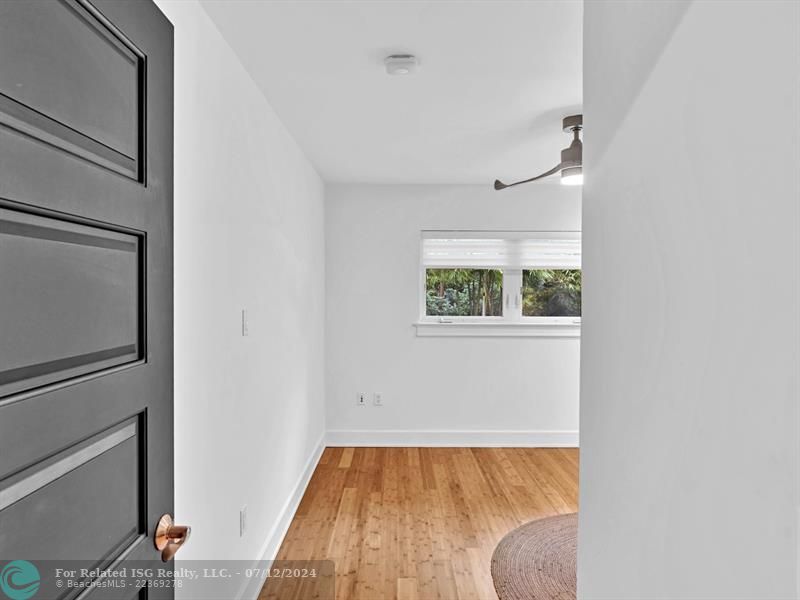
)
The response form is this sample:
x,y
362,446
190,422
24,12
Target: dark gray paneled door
x,y
86,460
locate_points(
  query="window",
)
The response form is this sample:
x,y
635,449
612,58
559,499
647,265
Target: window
x,y
551,292
464,292
517,283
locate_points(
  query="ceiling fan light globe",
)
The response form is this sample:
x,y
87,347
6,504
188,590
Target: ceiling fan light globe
x,y
572,176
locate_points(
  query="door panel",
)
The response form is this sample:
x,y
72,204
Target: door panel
x,y
71,303
57,499
86,463
79,86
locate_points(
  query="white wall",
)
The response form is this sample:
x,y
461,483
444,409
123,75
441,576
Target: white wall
x,y
436,390
690,358
249,233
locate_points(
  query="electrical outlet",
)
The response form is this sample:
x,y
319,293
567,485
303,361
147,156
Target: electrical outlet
x,y
245,324
243,521
377,398
361,399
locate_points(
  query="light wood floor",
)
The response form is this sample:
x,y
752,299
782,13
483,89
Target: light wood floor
x,y
422,523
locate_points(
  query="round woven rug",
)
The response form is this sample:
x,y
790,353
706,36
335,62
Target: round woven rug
x,y
538,560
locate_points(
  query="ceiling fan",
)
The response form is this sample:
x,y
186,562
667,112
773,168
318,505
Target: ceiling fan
x,y
571,165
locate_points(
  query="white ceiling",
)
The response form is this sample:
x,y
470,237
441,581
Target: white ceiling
x,y
495,79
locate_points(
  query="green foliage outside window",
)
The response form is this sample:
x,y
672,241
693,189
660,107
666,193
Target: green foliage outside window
x,y
464,292
551,293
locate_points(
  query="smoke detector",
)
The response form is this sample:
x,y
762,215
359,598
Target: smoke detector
x,y
400,64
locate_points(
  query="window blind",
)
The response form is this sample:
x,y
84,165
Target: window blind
x,y
502,250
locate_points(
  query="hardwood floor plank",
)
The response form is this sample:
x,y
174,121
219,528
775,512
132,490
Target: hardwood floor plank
x,y
550,471
347,458
422,523
451,488
426,465
445,580
466,583
407,588
530,468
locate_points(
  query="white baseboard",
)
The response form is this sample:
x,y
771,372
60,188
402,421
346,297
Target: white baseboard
x,y
797,579
450,438
275,537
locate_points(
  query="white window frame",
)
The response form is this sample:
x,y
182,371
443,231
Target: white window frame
x,y
513,323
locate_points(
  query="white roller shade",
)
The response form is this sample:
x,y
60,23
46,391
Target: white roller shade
x,y
503,250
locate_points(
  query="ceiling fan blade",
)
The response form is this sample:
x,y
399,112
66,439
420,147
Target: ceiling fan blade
x,y
499,185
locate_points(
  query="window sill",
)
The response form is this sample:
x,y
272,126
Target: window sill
x,y
473,329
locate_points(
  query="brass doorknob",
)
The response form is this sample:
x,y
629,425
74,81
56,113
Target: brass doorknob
x,y
170,537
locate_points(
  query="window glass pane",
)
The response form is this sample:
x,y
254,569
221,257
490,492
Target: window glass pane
x,y
551,293
464,292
